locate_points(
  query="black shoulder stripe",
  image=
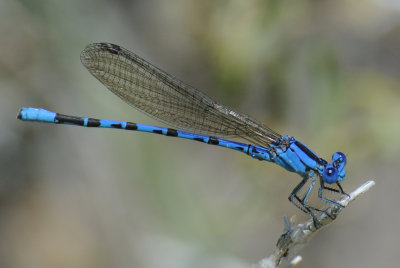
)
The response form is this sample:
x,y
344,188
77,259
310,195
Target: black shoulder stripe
x,y
308,152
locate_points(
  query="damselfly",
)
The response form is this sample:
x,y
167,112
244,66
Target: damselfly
x,y
202,119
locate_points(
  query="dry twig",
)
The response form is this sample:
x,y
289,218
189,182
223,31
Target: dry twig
x,y
294,238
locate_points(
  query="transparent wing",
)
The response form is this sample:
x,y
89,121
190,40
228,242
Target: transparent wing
x,y
168,99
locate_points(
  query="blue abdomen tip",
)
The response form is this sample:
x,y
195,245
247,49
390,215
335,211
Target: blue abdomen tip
x,y
36,114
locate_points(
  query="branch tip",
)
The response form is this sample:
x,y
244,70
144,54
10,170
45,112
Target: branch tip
x,y
294,238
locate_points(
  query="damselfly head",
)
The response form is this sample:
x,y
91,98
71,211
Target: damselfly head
x,y
334,171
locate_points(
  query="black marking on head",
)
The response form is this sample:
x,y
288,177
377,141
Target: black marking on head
x,y
62,119
119,125
172,132
213,141
157,131
93,122
308,152
19,116
112,48
199,139
131,126
323,162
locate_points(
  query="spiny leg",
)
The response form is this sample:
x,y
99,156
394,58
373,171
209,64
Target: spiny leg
x,y
293,195
341,189
301,203
335,190
321,192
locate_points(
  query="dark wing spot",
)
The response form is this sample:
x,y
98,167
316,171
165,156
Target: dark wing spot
x,y
113,49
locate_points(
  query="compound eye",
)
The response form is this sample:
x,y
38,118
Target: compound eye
x,y
339,158
330,175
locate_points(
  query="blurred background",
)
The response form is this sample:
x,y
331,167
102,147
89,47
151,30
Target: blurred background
x,y
326,72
